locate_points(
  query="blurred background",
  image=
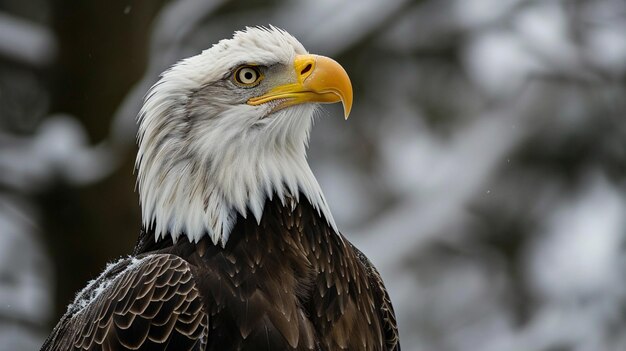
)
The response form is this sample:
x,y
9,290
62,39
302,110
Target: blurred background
x,y
483,169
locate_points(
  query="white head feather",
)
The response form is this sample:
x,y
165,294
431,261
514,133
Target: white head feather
x,y
206,156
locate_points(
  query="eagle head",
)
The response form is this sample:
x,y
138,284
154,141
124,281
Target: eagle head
x,y
223,131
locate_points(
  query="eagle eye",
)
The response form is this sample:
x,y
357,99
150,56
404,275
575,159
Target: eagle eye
x,y
247,76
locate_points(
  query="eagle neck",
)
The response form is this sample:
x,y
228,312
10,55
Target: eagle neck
x,y
206,203
278,216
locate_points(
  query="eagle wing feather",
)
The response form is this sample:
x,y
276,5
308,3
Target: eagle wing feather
x,y
382,300
149,302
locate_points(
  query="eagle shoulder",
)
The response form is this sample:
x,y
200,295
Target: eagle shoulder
x,y
148,302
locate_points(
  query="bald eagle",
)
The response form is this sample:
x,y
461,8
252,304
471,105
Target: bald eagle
x,y
239,250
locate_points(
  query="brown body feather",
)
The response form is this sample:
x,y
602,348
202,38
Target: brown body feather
x,y
287,283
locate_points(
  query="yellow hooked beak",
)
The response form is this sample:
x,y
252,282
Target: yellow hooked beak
x,y
319,79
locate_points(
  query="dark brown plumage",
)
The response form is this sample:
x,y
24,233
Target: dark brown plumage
x,y
288,283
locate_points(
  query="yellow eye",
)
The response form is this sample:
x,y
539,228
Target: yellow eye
x,y
248,76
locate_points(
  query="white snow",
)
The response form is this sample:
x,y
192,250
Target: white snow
x,y
100,284
25,276
58,149
491,56
26,41
578,254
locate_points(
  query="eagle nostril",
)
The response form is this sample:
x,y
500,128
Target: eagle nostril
x,y
306,69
